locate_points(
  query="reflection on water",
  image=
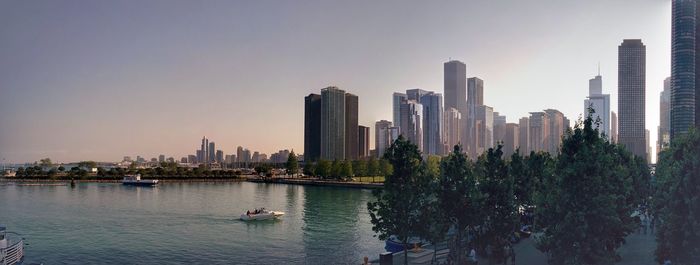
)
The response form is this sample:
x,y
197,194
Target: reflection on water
x,y
184,223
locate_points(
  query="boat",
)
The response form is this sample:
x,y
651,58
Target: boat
x,y
11,249
260,214
393,244
136,180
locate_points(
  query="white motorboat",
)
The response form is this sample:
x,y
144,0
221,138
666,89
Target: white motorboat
x,y
11,249
137,181
260,214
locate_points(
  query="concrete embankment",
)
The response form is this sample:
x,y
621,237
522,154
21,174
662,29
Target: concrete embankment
x,y
172,180
317,182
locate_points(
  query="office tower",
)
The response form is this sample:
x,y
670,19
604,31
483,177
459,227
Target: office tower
x,y
455,82
396,100
332,123
412,122
416,94
511,139
685,70
219,156
199,156
432,123
557,127
600,103
539,131
382,138
239,154
256,157
183,160
363,141
191,159
613,127
212,152
394,133
312,127
202,155
453,124
161,158
499,128
483,130
631,95
648,145
228,159
475,97
664,135
155,160
351,134
524,135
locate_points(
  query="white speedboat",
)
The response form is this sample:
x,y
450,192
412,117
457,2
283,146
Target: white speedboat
x,y
137,181
11,249
260,214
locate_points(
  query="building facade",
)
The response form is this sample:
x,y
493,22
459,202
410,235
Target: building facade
x,y
524,135
351,127
511,139
432,123
475,98
600,104
453,124
664,130
382,137
631,96
539,131
312,127
363,141
455,89
396,100
685,70
332,123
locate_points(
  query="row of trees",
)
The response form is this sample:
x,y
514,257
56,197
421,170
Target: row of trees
x,y
166,169
345,169
583,199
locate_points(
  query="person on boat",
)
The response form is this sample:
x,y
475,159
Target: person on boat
x,y
247,213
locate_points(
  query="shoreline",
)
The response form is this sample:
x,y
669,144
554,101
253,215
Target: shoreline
x,y
24,180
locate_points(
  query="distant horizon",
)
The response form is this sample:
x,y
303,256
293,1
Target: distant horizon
x,y
102,80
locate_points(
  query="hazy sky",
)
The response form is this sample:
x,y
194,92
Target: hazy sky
x,y
98,80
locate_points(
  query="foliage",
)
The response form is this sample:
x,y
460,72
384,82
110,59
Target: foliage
x,y
309,168
359,167
459,199
588,200
432,166
397,209
345,170
373,167
336,167
677,201
385,167
323,168
45,163
264,170
292,164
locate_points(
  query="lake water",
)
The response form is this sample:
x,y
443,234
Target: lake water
x,y
184,223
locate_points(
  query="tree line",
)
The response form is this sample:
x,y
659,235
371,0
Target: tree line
x,y
580,204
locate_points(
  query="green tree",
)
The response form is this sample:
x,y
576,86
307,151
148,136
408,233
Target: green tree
x,y
345,169
459,199
61,169
323,168
432,166
359,167
589,202
292,164
309,168
398,206
385,167
498,204
45,163
336,167
677,201
373,167
87,164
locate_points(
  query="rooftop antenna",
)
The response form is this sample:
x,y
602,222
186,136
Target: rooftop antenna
x,y
598,68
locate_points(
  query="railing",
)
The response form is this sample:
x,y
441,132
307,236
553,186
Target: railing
x,y
13,254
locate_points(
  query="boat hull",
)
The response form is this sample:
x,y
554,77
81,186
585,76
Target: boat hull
x,y
141,183
261,216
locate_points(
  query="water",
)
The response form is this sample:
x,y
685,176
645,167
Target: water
x,y
184,223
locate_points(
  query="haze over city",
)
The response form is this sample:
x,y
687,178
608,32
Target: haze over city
x,y
101,80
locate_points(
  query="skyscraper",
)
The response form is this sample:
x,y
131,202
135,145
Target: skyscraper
x,y
475,97
382,137
524,135
363,141
453,125
455,88
219,156
483,130
557,127
412,122
332,123
631,95
664,135
613,127
161,158
397,99
432,123
212,152
685,71
510,139
416,94
351,127
499,128
600,103
539,131
312,127
203,154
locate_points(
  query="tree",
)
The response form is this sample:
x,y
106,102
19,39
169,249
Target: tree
x,y
589,204
87,164
61,169
498,203
373,167
397,209
45,163
359,167
323,168
385,167
432,166
345,170
677,201
459,199
309,168
335,169
292,164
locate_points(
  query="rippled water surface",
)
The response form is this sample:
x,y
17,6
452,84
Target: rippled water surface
x,y
183,223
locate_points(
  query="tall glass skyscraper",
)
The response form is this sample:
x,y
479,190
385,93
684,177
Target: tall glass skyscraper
x,y
631,85
432,123
332,123
684,67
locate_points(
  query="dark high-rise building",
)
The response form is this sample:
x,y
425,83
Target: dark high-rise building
x,y
351,127
396,100
212,152
664,136
332,123
433,128
312,127
219,156
455,86
363,141
631,85
475,98
685,67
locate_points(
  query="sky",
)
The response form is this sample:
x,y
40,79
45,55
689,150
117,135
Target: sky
x,y
99,80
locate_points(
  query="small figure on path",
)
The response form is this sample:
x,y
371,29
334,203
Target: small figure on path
x,y
472,256
512,256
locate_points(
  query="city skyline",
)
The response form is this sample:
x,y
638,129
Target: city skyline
x,y
75,93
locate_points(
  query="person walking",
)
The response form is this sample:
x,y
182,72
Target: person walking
x,y
472,256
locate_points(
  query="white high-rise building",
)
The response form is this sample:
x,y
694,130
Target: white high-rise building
x,y
382,136
453,126
600,103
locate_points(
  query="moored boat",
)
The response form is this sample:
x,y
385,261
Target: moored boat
x,y
260,214
136,180
11,249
